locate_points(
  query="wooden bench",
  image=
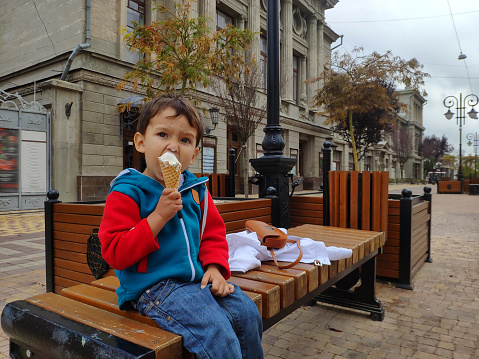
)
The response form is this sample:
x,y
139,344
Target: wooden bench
x,y
85,310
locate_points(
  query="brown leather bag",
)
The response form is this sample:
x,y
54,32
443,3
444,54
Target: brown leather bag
x,y
273,238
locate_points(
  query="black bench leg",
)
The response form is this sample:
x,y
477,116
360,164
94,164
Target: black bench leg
x,y
362,297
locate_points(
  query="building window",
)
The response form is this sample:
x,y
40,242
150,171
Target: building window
x,y
367,163
416,169
337,161
135,12
264,62
295,78
294,154
222,20
259,150
351,162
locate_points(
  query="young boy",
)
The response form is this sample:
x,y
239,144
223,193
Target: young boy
x,y
168,246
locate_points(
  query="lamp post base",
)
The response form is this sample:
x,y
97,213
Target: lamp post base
x,y
273,169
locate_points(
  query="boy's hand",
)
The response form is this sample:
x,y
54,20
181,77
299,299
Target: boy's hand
x,y
219,286
168,205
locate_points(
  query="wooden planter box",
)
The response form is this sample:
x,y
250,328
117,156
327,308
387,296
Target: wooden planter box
x,y
407,217
449,187
408,240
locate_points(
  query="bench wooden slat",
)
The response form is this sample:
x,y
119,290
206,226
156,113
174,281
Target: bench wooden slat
x,y
77,218
243,205
323,274
80,208
71,237
251,213
270,294
110,283
70,265
103,299
74,228
297,221
68,255
299,276
306,206
165,344
256,298
310,270
70,246
286,284
238,226
75,276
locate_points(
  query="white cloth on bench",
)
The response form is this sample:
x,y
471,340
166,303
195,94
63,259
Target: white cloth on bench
x,y
247,253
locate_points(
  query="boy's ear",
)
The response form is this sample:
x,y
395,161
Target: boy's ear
x,y
139,140
197,150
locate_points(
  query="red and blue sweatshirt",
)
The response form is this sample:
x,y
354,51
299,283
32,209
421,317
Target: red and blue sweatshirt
x,y
194,238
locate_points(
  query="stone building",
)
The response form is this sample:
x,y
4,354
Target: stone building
x,y
68,55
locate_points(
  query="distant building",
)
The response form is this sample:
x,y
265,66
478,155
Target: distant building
x,y
80,42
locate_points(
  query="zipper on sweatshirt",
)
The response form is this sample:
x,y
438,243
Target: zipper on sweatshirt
x,y
180,215
193,185
187,246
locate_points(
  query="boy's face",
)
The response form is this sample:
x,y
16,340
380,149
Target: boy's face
x,y
167,133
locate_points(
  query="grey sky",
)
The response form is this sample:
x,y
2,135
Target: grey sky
x,y
422,29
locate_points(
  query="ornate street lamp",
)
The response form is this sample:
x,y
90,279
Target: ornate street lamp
x,y
469,100
475,142
215,116
274,166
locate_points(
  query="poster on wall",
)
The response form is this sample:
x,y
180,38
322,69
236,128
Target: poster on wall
x,y
208,159
34,162
9,160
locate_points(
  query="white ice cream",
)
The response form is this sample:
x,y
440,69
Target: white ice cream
x,y
169,160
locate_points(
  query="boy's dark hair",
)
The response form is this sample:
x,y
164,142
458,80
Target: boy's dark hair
x,y
182,107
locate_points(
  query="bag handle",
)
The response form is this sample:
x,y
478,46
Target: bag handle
x,y
293,263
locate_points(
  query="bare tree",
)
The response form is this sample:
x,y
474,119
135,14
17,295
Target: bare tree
x,y
238,95
402,144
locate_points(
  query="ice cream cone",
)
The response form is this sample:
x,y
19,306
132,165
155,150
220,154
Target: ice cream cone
x,y
171,170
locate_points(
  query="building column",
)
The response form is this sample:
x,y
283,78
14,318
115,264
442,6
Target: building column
x,y
254,25
320,47
240,22
66,136
312,54
209,11
303,73
287,50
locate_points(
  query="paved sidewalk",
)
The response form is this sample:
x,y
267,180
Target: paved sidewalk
x,y
438,319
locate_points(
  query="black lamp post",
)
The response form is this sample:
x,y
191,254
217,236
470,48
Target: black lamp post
x,y
475,143
469,100
274,166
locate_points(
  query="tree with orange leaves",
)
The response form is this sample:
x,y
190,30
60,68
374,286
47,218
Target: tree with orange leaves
x,y
351,85
178,53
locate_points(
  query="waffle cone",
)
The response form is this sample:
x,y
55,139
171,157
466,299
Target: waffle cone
x,y
171,175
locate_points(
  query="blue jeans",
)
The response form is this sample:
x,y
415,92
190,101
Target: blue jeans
x,y
211,327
